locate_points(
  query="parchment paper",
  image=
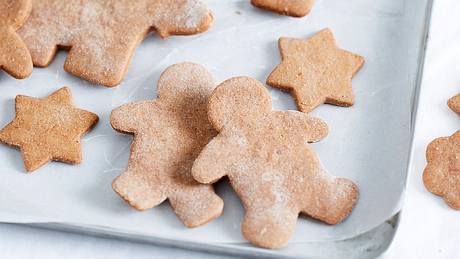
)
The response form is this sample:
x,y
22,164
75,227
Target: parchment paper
x,y
368,143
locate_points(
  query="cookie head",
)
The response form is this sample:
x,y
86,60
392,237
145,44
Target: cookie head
x,y
183,17
442,173
185,83
238,101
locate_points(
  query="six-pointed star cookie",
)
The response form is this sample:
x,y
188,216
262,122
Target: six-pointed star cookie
x,y
48,129
316,71
295,8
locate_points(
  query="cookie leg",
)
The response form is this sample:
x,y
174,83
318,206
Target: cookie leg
x,y
332,202
137,191
17,61
197,205
104,62
270,228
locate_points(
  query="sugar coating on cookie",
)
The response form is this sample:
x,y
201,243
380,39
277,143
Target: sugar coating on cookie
x,y
295,8
102,35
269,163
14,56
48,129
169,133
442,173
316,71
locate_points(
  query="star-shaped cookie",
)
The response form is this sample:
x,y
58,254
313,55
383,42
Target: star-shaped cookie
x,y
48,129
294,8
316,71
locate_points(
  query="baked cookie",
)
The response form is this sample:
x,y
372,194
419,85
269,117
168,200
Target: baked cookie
x,y
102,35
442,173
295,8
316,71
14,56
48,129
266,156
454,103
168,134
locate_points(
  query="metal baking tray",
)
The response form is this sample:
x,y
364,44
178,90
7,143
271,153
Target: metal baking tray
x,y
369,142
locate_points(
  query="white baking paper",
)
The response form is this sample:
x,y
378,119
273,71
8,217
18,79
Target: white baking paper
x,y
368,143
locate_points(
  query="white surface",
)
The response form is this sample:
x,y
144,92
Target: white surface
x,y
429,228
367,143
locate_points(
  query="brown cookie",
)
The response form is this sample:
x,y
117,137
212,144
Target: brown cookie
x,y
168,134
48,129
454,103
14,56
316,71
442,173
266,156
102,35
295,8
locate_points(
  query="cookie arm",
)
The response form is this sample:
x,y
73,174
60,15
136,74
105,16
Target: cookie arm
x,y
17,62
313,129
128,117
214,162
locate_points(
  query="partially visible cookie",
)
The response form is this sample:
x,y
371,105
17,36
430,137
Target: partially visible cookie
x,y
102,35
48,129
295,8
442,173
266,156
169,133
454,103
14,56
316,71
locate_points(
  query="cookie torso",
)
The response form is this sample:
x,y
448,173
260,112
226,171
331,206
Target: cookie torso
x,y
103,34
168,143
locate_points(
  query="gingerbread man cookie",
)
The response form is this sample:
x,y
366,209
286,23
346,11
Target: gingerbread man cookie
x,y
295,8
48,129
266,156
14,56
102,35
168,134
316,71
